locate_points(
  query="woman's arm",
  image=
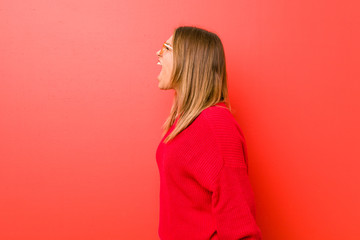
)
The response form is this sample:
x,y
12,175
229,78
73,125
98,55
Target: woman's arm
x,y
233,205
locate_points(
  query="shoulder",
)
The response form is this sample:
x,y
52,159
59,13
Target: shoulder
x,y
221,121
215,122
227,134
216,111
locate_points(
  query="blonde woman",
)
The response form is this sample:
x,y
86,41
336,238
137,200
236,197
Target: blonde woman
x,y
205,192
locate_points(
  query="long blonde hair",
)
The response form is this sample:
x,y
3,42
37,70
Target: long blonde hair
x,y
199,76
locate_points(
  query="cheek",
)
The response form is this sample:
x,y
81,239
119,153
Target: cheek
x,y
169,63
169,68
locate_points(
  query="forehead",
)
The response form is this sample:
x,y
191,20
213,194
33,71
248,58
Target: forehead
x,y
170,40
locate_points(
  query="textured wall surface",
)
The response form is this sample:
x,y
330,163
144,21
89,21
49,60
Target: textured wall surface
x,y
81,113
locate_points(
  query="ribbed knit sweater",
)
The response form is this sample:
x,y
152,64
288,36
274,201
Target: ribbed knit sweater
x,y
205,192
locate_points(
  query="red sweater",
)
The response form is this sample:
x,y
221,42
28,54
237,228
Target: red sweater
x,y
205,192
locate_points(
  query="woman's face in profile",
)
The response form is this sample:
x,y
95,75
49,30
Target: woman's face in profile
x,y
166,63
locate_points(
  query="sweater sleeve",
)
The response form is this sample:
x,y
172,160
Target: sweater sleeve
x,y
233,204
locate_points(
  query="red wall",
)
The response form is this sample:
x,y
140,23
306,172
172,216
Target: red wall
x,y
81,113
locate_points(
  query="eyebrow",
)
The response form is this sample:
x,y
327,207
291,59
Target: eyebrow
x,y
168,44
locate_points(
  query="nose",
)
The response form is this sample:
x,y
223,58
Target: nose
x,y
158,53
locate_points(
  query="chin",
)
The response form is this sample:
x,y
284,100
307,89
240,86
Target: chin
x,y
163,88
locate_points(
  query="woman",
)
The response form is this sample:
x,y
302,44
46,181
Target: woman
x,y
205,192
